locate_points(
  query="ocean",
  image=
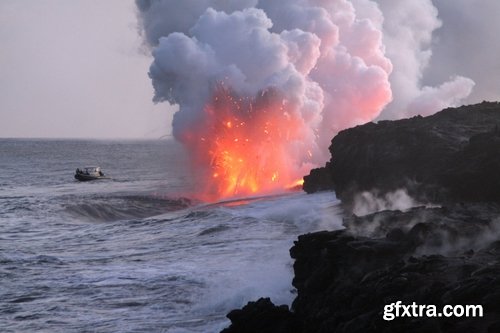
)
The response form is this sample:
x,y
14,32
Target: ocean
x,y
137,252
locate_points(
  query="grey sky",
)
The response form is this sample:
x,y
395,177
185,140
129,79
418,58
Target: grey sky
x,y
74,69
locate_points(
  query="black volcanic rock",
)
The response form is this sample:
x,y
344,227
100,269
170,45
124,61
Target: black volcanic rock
x,y
439,256
474,171
263,317
429,256
450,156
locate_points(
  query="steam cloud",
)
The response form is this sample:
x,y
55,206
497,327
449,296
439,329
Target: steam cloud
x,y
328,63
372,202
408,27
336,63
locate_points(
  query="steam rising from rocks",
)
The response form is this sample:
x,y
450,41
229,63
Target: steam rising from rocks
x,y
372,202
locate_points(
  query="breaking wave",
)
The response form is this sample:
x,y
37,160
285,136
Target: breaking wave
x,y
113,208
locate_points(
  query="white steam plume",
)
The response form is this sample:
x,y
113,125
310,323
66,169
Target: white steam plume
x,y
369,202
328,63
408,28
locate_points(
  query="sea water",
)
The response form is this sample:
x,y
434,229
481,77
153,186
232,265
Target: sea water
x,y
136,252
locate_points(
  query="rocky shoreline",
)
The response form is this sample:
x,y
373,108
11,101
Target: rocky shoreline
x,y
444,252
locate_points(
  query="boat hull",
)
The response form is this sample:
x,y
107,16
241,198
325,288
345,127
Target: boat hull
x,y
85,178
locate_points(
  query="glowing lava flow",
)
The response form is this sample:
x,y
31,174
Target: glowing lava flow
x,y
243,146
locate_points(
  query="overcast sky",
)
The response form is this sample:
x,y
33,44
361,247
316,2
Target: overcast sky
x,y
75,69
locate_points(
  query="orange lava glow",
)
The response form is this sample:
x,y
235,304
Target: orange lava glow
x,y
296,184
243,146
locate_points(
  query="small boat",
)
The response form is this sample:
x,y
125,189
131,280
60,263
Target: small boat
x,y
89,173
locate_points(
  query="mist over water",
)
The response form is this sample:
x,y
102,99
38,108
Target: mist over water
x,y
136,253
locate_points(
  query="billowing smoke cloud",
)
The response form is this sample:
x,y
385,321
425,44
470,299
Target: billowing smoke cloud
x,y
329,64
408,28
323,65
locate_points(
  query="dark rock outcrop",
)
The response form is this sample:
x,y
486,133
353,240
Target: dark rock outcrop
x,y
263,317
452,155
435,256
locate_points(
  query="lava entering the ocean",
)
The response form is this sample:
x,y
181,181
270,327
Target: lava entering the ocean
x,y
244,145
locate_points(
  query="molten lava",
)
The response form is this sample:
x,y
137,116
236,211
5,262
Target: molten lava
x,y
244,145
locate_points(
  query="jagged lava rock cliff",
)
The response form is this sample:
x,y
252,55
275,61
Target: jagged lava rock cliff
x,y
453,155
435,256
344,279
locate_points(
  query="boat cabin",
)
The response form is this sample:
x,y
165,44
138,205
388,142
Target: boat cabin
x,y
89,173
